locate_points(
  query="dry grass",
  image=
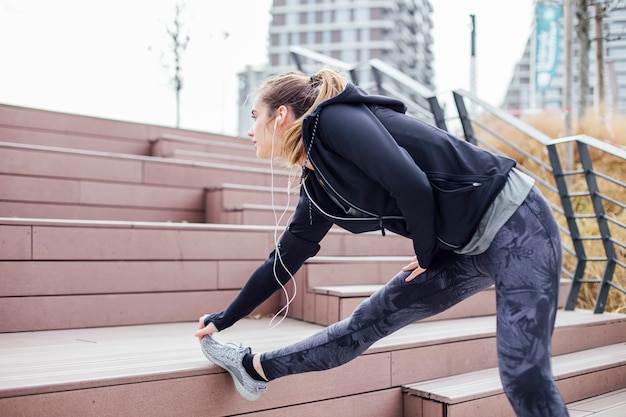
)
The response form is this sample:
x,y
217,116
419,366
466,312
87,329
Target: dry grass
x,y
491,130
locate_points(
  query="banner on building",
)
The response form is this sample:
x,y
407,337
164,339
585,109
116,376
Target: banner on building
x,y
547,44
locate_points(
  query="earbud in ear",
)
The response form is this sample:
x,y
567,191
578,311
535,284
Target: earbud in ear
x,y
279,117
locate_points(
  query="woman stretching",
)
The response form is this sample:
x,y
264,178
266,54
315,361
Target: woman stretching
x,y
474,221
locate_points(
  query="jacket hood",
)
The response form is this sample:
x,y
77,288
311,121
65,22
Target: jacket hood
x,y
355,94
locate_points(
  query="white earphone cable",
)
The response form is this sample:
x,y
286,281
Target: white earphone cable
x,y
277,255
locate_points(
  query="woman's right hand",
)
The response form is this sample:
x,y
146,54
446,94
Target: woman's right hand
x,y
203,330
415,267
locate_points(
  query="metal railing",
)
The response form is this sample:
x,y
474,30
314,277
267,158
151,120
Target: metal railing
x,y
422,102
581,178
581,191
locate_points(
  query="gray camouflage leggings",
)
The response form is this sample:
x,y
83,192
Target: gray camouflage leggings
x,y
524,263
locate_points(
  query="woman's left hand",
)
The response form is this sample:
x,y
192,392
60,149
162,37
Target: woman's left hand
x,y
203,330
415,267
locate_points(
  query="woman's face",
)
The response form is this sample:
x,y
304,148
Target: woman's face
x,y
266,132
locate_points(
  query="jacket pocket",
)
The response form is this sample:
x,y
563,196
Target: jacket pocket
x,y
460,202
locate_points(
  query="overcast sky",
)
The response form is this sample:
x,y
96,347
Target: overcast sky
x,y
109,58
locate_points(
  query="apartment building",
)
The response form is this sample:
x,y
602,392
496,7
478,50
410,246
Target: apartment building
x,y
399,32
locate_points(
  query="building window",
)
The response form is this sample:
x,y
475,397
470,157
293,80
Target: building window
x,y
278,20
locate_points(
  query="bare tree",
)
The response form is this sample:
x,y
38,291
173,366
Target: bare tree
x,y
602,9
178,44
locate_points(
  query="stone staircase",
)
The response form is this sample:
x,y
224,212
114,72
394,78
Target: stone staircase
x,y
115,237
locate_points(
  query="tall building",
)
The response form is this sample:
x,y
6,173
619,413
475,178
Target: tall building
x,y
249,79
399,32
526,93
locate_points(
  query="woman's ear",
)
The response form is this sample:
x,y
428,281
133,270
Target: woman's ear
x,y
283,111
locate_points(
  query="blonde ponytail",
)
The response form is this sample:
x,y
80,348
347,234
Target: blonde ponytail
x,y
301,94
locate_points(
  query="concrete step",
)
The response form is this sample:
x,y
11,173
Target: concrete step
x,y
48,128
248,204
47,182
75,198
579,375
53,162
74,140
253,214
335,285
328,304
248,160
192,147
611,404
37,239
159,370
230,196
70,274
360,273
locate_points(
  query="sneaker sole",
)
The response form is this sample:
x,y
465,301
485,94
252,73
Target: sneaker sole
x,y
238,385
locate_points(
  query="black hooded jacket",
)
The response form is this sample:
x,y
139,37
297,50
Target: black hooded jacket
x,y
393,171
376,168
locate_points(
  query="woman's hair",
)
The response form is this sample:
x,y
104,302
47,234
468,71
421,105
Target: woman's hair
x,y
300,93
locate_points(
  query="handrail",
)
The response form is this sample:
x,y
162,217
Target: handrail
x,y
420,98
595,243
500,114
297,52
421,101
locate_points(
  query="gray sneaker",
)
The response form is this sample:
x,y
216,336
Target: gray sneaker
x,y
230,357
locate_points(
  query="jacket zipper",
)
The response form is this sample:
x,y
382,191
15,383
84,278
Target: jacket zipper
x,y
373,216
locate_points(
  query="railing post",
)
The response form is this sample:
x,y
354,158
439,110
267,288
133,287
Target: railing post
x,y
354,76
466,123
568,210
297,61
378,79
603,227
298,54
437,111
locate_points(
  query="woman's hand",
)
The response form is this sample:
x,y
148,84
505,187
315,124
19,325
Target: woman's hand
x,y
415,267
204,330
